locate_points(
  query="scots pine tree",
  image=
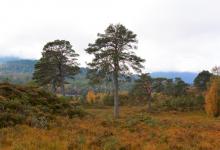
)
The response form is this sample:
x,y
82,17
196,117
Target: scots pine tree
x,y
58,62
114,56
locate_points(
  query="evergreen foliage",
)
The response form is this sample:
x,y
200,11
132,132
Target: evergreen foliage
x,y
202,80
114,56
57,63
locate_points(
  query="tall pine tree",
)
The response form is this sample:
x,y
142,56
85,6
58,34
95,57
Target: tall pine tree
x,y
58,62
114,55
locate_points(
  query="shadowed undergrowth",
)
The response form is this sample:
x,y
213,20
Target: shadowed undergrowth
x,y
33,106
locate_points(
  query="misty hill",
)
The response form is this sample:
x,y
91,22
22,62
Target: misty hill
x,y
15,70
14,65
17,66
7,59
188,77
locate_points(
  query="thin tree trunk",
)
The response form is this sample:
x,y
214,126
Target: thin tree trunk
x,y
149,97
149,104
53,87
62,87
116,98
62,80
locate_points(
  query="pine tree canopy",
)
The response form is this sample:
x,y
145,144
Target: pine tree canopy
x,y
58,62
113,52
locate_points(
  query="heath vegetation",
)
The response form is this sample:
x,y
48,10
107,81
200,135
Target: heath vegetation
x,y
111,105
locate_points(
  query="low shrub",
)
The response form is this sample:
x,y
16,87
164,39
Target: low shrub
x,y
182,103
110,143
33,106
108,99
11,119
77,112
41,121
142,118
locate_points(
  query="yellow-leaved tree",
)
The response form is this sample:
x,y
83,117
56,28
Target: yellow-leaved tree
x,y
212,99
90,97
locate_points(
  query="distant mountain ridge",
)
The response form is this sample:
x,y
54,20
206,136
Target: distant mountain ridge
x,y
8,58
188,77
16,65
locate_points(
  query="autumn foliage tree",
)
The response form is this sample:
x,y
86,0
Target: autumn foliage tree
x,y
90,97
212,101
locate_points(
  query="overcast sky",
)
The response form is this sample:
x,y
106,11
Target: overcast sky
x,y
173,35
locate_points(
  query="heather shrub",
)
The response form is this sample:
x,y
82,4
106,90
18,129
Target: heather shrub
x,y
11,119
181,103
39,121
33,106
108,99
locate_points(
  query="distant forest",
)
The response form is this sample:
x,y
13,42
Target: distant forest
x,y
19,71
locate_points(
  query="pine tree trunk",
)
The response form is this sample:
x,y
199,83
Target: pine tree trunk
x,y
149,96
62,87
62,80
116,98
149,104
53,87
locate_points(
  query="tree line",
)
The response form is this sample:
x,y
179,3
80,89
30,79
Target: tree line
x,y
114,58
113,53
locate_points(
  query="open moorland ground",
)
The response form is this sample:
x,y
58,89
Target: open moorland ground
x,y
135,130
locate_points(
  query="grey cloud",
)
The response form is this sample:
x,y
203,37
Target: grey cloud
x,y
173,34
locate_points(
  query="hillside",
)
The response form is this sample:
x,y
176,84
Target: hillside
x,y
8,58
188,77
18,66
16,70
